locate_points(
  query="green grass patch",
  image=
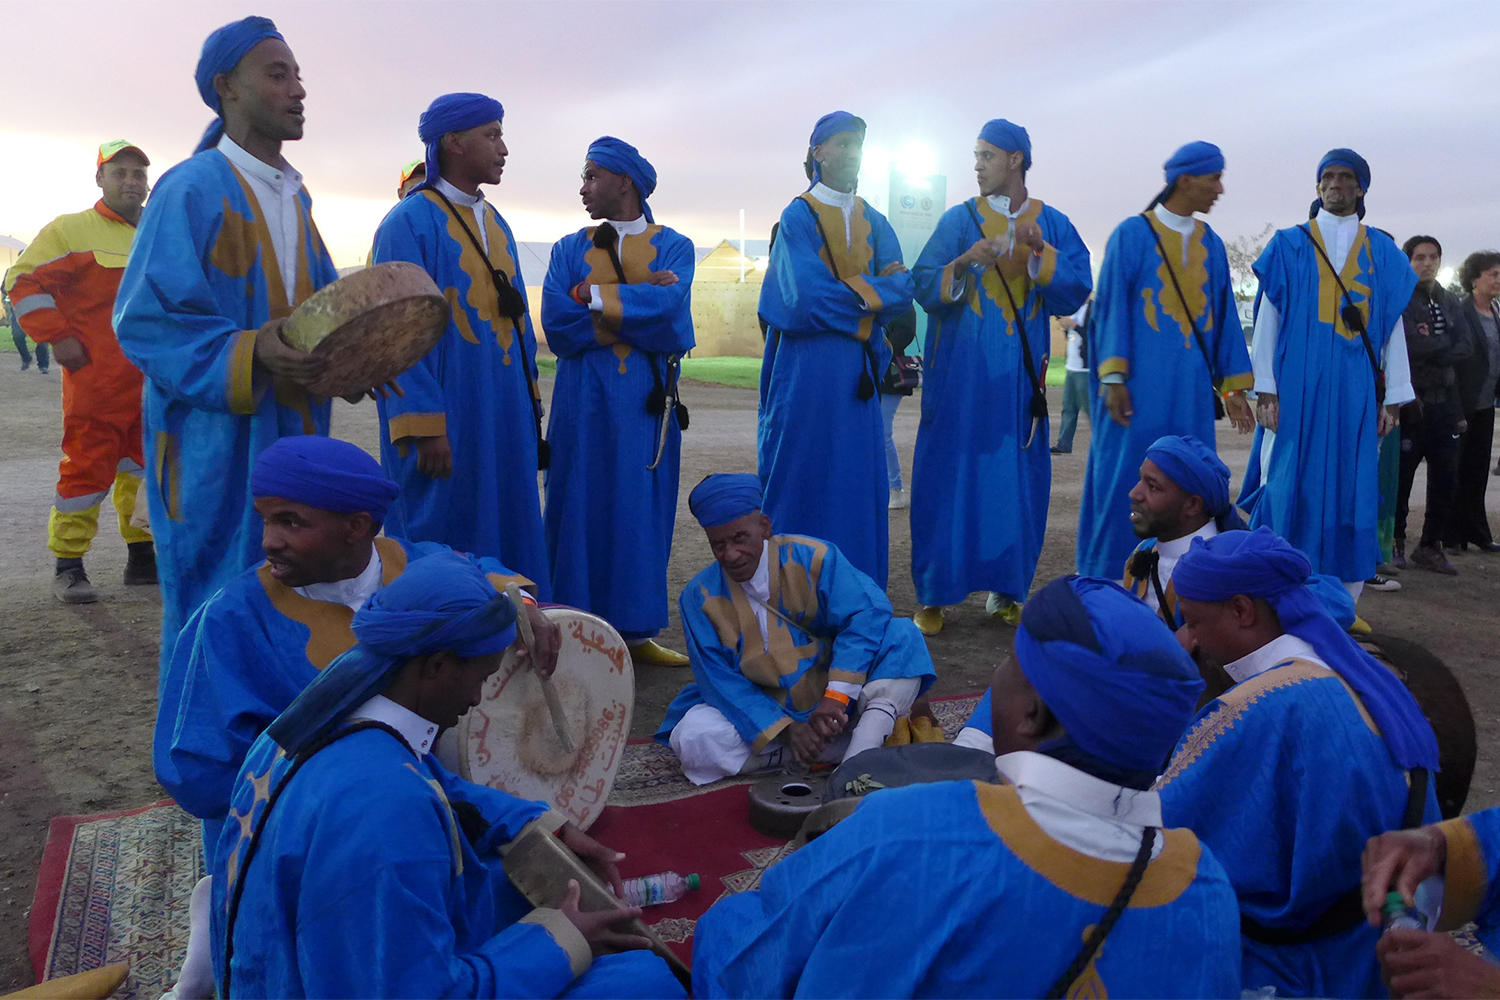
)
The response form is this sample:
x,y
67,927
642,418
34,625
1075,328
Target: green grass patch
x,y
744,373
547,366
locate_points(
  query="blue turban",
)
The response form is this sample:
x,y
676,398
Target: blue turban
x,y
827,127
620,157
1008,136
1195,160
1195,467
725,497
1260,564
1344,158
1112,673
441,602
222,52
325,473
453,113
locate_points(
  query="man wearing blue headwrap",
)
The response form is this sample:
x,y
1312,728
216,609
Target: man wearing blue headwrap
x,y
835,280
1315,748
376,872
465,442
615,309
997,267
1165,322
1331,372
971,889
793,648
1182,493
226,249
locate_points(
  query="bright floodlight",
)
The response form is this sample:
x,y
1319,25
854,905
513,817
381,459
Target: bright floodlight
x,y
915,160
1445,275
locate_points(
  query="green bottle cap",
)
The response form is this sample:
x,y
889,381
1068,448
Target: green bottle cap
x,y
1394,903
693,882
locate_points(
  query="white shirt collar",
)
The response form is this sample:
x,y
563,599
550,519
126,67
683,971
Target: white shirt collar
x,y
1001,204
418,732
828,196
759,585
1083,812
632,228
1272,654
1177,546
352,592
1327,221
259,169
1179,223
456,196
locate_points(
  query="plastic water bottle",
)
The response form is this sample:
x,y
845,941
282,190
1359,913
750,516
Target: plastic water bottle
x,y
654,890
1396,914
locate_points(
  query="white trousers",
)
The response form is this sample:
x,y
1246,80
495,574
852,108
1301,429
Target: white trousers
x,y
711,748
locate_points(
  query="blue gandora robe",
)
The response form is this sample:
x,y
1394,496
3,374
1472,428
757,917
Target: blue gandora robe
x,y
245,654
1285,777
1322,489
1471,886
985,903
831,623
202,281
1140,330
364,884
474,387
821,447
609,518
979,500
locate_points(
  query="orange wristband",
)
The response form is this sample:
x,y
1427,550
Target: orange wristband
x,y
838,696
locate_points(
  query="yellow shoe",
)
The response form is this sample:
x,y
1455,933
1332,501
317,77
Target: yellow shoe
x,y
923,730
901,735
1360,626
929,620
657,655
1003,608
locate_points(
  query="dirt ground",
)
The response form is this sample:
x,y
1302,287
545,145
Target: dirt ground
x,y
78,684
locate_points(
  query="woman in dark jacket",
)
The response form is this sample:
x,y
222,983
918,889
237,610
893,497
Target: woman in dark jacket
x,y
1480,277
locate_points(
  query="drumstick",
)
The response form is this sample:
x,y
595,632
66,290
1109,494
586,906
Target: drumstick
x,y
549,693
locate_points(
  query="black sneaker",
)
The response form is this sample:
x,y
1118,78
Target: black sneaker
x,y
1378,582
140,567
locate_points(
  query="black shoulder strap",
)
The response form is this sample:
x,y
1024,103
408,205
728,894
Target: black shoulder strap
x,y
1351,311
1214,379
1038,408
1107,923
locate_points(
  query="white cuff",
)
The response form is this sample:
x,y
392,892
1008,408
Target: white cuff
x,y
1033,266
596,301
1113,378
569,938
846,688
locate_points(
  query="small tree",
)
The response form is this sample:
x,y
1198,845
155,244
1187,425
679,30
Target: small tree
x,y
1243,252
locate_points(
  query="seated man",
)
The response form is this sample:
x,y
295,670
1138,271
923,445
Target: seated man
x,y
247,652
1313,748
788,642
1059,878
1466,851
357,866
1183,494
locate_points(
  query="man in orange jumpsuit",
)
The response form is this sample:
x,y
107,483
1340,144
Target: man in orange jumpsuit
x,y
63,289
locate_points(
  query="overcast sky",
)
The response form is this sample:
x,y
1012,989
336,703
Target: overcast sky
x,y
721,98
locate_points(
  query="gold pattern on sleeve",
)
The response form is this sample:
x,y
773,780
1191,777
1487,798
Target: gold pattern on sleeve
x,y
261,784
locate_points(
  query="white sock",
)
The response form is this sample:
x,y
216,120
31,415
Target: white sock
x,y
1355,589
877,720
197,979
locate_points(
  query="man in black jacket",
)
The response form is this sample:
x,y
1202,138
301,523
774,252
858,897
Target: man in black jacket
x,y
1437,341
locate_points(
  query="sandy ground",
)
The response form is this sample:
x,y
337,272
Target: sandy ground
x,y
77,684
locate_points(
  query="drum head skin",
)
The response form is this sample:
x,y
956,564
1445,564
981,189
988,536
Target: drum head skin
x,y
371,326
508,741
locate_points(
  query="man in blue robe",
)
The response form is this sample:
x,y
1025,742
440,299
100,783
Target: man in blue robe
x,y
970,889
616,311
1465,853
226,250
835,280
463,442
793,648
359,867
1313,748
997,267
1165,322
1331,373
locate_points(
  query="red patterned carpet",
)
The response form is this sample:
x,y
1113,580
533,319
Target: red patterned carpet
x,y
115,888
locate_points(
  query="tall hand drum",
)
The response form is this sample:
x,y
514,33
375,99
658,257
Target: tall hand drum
x,y
371,325
508,740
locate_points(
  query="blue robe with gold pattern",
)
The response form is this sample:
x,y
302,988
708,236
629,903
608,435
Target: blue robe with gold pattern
x,y
609,518
979,497
830,623
1322,487
952,890
1285,777
244,655
199,284
1471,885
364,884
822,448
475,388
1138,328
